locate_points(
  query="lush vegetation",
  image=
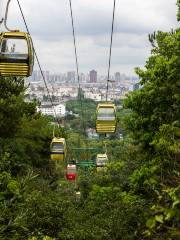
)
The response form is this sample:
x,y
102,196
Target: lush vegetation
x,y
136,197
84,114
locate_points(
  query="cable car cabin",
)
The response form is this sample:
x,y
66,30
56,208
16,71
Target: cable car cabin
x,y
78,195
101,160
106,118
16,54
58,149
71,172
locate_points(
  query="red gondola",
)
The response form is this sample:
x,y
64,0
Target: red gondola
x,y
71,172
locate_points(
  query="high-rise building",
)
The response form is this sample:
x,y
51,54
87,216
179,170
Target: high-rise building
x,y
82,77
47,75
39,75
71,76
34,76
54,78
93,76
117,76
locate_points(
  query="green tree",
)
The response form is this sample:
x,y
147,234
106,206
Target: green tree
x,y
11,105
155,129
27,177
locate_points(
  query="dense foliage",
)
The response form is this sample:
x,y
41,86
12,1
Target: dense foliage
x,y
155,128
85,112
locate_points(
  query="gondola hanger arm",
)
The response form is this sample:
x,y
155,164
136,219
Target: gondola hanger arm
x,y
105,146
1,21
5,18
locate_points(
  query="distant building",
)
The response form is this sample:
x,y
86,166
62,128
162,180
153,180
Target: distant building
x,y
82,77
47,109
33,77
93,76
94,96
37,76
123,77
92,133
47,75
71,76
117,77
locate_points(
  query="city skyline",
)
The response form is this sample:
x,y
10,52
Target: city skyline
x,y
52,33
71,76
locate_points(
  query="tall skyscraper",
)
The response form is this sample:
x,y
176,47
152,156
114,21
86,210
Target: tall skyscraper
x,y
93,76
71,76
82,77
117,76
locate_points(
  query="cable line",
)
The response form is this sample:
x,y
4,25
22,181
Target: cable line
x,y
1,7
1,21
77,66
110,50
107,123
39,65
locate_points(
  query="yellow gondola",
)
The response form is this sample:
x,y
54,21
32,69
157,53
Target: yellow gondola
x,y
106,118
16,54
101,160
58,149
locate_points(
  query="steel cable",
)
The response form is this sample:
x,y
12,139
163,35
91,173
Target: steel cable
x,y
110,51
39,65
77,66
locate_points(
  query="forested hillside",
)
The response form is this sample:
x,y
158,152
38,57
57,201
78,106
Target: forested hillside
x,y
137,196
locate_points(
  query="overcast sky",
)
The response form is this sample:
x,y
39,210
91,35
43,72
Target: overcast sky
x,y
50,26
